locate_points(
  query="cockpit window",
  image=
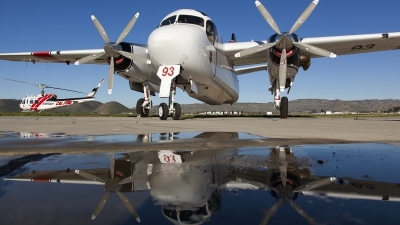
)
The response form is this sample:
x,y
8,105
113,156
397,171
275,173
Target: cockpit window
x,y
168,21
191,19
210,31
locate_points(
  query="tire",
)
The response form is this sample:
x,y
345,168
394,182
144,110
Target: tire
x,y
140,110
284,109
139,106
163,111
176,115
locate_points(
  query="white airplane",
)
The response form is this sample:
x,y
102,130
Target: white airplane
x,y
186,51
44,101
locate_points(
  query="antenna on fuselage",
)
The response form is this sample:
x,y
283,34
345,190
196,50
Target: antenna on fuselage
x,y
233,38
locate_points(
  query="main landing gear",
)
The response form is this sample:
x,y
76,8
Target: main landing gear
x,y
173,107
144,105
281,104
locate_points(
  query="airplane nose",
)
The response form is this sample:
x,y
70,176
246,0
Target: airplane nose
x,y
172,44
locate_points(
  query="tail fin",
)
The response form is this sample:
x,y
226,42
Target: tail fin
x,y
93,92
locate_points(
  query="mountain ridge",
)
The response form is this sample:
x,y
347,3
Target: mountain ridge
x,y
301,106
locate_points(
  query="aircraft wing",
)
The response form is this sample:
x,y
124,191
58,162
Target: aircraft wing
x,y
354,44
340,45
232,48
67,57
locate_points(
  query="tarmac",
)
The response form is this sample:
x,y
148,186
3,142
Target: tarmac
x,y
274,131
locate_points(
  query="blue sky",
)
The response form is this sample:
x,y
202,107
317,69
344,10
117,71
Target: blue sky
x,y
50,25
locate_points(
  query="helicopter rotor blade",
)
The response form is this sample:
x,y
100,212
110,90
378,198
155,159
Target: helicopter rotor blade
x,y
38,85
100,206
89,176
128,205
66,90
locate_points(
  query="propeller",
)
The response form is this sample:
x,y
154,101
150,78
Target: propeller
x,y
43,86
113,49
309,186
300,21
270,212
113,185
314,184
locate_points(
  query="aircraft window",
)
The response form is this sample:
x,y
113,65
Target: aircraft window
x,y
36,102
23,101
191,19
31,101
168,21
210,31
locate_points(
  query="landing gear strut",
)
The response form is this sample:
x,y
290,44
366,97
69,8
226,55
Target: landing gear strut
x,y
143,105
173,107
282,104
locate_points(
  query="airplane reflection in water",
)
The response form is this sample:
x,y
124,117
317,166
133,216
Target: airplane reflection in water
x,y
188,185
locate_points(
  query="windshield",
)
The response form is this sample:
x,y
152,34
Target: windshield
x,y
191,19
168,21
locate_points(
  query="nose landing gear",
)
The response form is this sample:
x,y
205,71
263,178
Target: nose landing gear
x,y
173,107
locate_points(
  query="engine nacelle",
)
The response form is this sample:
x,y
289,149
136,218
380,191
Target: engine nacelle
x,y
292,60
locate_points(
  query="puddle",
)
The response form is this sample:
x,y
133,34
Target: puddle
x,y
308,184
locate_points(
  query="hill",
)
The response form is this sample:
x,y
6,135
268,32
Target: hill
x,y
301,106
9,105
112,108
85,107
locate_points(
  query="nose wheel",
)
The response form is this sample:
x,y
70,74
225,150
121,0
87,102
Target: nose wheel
x,y
175,111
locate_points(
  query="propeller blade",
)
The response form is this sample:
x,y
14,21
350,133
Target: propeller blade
x,y
282,71
66,90
100,29
267,17
303,17
89,176
255,49
314,50
133,178
89,58
112,161
111,76
127,28
302,212
100,205
314,184
270,212
128,205
135,57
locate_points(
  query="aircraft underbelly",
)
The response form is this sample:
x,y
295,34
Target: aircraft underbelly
x,y
216,85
